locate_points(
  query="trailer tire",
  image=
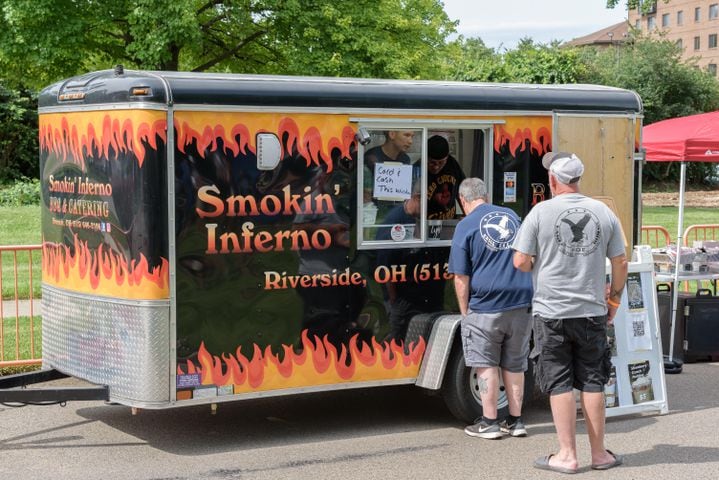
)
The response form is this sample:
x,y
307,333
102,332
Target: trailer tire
x,y
460,390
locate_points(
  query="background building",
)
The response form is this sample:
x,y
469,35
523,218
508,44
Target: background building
x,y
693,24
603,38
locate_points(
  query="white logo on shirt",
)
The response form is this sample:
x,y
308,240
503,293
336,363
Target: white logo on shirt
x,y
498,230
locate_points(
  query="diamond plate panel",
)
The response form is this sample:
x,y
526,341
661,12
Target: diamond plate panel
x,y
438,349
120,343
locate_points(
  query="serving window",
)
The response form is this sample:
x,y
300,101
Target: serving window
x,y
409,178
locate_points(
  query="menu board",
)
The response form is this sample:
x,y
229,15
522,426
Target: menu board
x,y
637,380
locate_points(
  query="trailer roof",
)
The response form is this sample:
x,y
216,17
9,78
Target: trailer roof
x,y
187,88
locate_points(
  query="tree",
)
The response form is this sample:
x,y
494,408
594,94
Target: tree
x,y
543,63
530,62
470,60
363,38
18,143
668,87
381,38
644,6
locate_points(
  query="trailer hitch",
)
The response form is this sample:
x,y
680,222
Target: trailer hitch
x,y
13,389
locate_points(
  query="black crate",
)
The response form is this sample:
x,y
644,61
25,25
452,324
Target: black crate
x,y
664,303
696,333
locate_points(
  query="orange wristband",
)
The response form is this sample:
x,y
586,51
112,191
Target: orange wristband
x,y
613,304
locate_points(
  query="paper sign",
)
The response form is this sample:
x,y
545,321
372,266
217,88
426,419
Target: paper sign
x,y
510,187
635,298
641,382
637,330
392,181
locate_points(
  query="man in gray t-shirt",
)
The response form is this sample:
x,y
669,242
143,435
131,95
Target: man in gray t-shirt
x,y
565,243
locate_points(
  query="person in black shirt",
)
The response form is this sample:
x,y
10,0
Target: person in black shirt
x,y
443,179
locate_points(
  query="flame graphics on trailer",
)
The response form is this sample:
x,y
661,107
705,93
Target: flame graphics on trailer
x,y
104,271
516,133
319,363
314,136
72,136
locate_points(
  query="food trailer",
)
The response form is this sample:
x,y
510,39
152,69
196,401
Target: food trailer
x,y
217,237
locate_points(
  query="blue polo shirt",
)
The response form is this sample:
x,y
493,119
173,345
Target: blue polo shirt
x,y
482,250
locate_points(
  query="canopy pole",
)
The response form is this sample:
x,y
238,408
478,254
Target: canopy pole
x,y
677,263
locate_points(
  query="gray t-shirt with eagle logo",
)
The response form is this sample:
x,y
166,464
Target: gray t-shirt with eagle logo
x,y
570,236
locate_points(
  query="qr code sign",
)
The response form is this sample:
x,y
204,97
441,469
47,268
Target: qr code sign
x,y
638,328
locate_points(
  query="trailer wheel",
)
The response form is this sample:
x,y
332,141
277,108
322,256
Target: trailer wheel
x,y
460,389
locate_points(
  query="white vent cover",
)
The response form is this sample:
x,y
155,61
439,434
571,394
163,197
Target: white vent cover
x,y
268,151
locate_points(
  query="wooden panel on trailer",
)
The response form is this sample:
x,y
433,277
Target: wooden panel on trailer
x,y
606,145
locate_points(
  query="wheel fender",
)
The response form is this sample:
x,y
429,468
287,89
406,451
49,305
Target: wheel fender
x,y
439,347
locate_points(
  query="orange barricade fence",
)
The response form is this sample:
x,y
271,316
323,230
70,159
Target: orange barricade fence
x,y
700,232
20,320
655,235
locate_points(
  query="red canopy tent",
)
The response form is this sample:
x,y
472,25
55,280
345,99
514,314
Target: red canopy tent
x,y
685,139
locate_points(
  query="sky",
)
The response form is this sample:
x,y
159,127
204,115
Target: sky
x,y
502,23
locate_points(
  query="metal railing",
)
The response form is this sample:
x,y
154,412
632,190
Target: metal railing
x,y
20,323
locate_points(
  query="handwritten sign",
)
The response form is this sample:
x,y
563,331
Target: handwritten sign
x,y
392,181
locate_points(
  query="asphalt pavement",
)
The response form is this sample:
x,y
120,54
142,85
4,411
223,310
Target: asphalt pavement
x,y
395,432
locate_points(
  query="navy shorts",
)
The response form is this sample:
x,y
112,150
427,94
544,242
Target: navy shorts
x,y
571,353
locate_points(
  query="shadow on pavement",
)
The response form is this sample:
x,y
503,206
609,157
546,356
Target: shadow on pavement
x,y
673,455
280,421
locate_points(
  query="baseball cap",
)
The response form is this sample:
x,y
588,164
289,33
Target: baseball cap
x,y
566,167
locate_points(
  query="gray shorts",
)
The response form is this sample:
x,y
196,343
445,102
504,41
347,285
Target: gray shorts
x,y
571,353
497,339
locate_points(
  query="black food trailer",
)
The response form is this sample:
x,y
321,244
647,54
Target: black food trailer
x,y
216,237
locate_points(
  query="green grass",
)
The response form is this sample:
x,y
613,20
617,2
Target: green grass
x,y
8,338
668,217
20,226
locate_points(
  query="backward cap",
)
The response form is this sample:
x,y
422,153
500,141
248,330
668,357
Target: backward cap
x,y
566,167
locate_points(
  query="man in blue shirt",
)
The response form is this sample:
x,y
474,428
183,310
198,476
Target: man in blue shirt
x,y
494,300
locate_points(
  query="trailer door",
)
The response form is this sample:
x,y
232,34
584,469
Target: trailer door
x,y
606,145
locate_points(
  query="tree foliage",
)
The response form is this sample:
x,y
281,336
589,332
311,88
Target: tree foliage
x,y
470,60
18,141
543,63
365,38
669,88
530,62
643,5
379,38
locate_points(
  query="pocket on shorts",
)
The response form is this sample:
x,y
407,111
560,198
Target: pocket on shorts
x,y
607,364
537,341
466,336
597,324
597,331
